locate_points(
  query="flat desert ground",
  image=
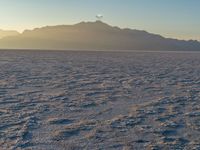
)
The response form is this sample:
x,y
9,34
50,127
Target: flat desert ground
x,y
99,100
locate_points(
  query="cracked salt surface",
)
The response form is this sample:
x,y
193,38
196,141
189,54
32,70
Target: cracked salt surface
x,y
99,100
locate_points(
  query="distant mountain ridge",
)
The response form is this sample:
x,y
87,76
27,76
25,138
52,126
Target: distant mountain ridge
x,y
6,33
94,36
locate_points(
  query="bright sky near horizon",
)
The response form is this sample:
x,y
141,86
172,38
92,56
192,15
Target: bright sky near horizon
x,y
170,18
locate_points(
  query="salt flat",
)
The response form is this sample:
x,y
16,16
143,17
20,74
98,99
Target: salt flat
x,y
99,100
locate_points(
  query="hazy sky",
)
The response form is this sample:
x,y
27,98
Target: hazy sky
x,y
171,18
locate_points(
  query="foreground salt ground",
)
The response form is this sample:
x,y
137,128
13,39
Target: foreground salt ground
x,y
99,100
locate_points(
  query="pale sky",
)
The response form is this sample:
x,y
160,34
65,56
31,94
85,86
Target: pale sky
x,y
170,18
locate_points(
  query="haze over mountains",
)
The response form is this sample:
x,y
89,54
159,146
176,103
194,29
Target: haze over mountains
x,y
6,33
93,36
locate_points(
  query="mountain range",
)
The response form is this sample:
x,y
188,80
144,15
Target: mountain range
x,y
92,36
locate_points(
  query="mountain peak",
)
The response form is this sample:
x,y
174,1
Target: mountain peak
x,y
96,24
